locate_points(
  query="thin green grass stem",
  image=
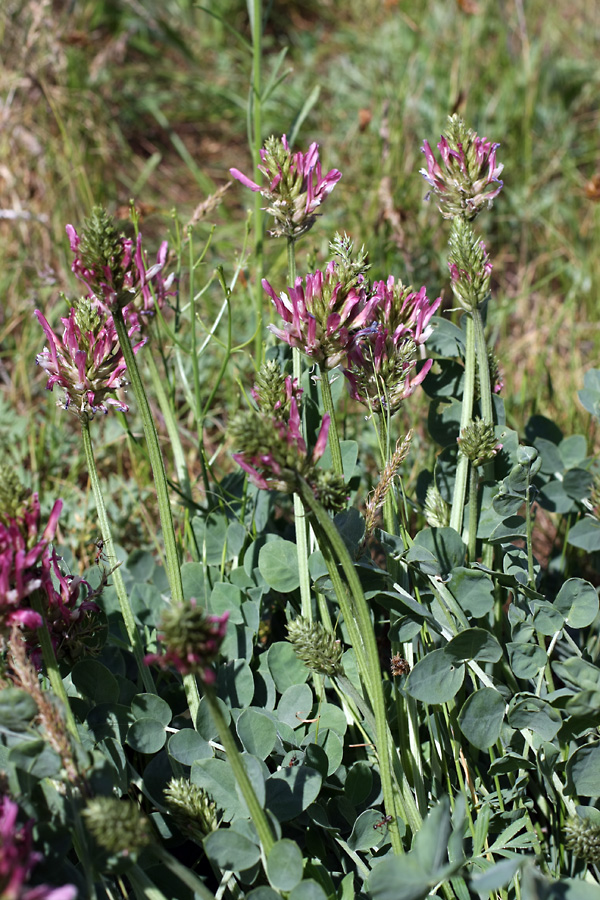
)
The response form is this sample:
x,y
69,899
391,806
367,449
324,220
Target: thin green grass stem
x,y
256,95
119,585
357,617
156,460
261,823
333,437
462,466
49,657
473,511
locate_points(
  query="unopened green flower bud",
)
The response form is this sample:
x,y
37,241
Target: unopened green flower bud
x,y
119,826
13,494
437,511
101,249
191,807
478,442
87,317
470,266
351,267
273,390
583,839
330,489
317,648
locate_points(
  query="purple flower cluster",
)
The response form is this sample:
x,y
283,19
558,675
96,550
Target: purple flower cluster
x,y
468,179
18,858
295,186
191,639
28,568
320,313
382,358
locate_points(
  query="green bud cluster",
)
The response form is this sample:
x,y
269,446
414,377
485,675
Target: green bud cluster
x,y
478,442
194,812
87,317
118,826
270,390
583,839
469,264
350,266
317,648
437,511
13,495
101,246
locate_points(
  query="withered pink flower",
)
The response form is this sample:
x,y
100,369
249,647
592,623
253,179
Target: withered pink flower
x,y
191,640
295,186
18,859
87,361
382,358
319,314
468,179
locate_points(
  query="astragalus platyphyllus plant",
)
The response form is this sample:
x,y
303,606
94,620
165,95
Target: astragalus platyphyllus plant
x,y
18,860
86,361
468,179
382,358
295,186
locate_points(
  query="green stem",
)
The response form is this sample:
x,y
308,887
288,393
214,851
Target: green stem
x,y
365,649
333,437
257,25
261,823
462,467
156,460
529,538
473,511
299,515
51,664
119,585
185,875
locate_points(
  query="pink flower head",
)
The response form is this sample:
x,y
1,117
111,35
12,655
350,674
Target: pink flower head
x,y
191,640
87,361
468,179
320,313
24,562
18,858
114,269
295,186
382,358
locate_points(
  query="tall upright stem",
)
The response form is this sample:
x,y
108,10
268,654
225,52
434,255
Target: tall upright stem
x,y
334,440
462,467
51,664
122,596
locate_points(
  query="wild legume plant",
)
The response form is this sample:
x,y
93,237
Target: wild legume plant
x,y
316,692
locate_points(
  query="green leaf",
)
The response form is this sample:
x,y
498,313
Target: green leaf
x,y
146,735
590,395
94,681
552,463
285,865
290,791
535,714
35,757
349,450
497,876
436,678
285,666
472,590
585,534
400,878
235,684
508,530
573,450
331,743
211,536
447,338
309,889
231,850
186,746
365,834
578,483
217,778
359,782
152,706
296,703
430,845
580,673
278,565
554,498
474,643
226,597
526,660
17,709
257,732
332,717
481,717
547,619
264,893
443,421
583,769
446,546
577,600
192,578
